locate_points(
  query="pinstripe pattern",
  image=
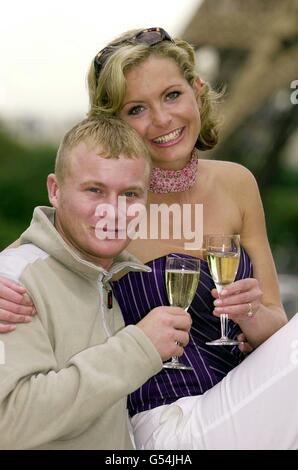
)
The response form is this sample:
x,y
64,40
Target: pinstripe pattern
x,y
138,293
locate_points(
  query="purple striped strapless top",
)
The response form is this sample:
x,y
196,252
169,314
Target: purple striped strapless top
x,y
138,293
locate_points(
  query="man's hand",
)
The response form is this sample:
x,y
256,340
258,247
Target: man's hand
x,y
167,328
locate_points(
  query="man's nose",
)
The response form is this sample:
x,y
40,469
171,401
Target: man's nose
x,y
118,205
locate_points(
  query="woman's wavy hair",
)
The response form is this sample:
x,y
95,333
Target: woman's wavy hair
x,y
107,91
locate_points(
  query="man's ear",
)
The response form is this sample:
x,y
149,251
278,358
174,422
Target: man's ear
x,y
53,190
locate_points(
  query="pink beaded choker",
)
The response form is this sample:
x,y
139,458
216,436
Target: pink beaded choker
x,y
174,181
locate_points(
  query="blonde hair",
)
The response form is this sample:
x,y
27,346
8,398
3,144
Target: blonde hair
x,y
112,136
106,93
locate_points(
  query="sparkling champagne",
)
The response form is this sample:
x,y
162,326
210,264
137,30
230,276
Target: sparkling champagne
x,y
181,286
223,267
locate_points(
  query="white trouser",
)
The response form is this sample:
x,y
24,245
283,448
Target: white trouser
x,y
254,407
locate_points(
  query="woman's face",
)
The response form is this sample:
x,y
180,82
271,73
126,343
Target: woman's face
x,y
162,107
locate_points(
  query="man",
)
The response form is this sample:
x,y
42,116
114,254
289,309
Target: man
x,y
64,381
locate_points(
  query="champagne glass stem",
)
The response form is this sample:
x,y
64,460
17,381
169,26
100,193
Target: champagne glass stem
x,y
224,325
175,360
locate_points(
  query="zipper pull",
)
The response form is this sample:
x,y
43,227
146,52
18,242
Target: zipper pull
x,y
110,299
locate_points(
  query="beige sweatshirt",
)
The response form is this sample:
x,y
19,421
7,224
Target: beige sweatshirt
x,y
67,373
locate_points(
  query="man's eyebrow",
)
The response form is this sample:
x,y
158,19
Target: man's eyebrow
x,y
134,188
98,184
92,183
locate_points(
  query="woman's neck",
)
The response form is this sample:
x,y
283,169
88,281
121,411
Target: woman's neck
x,y
173,181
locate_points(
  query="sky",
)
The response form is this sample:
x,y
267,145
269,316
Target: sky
x,y
46,47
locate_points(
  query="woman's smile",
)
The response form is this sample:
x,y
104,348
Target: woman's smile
x,y
172,138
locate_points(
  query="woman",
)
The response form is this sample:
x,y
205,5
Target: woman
x,y
150,81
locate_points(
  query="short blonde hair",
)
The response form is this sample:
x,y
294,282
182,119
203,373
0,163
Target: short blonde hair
x,y
106,93
111,135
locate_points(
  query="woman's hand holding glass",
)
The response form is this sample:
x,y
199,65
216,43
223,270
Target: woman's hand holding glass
x,y
240,300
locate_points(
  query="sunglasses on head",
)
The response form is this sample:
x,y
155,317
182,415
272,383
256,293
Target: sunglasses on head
x,y
150,36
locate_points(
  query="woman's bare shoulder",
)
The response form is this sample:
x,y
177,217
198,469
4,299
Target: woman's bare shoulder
x,y
227,172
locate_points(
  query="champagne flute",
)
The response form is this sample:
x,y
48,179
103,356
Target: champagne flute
x,y
223,255
182,278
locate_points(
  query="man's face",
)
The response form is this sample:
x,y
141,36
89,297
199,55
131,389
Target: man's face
x,y
91,181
